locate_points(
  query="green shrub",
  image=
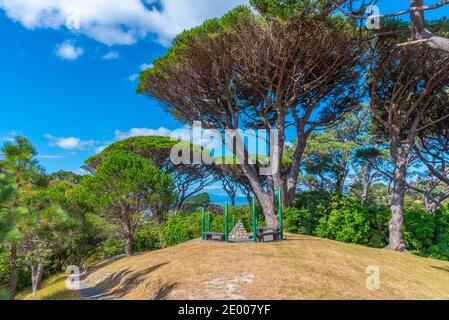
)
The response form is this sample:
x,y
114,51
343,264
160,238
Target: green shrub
x,y
348,221
298,221
313,206
419,230
112,247
440,250
181,227
24,276
378,232
4,294
148,237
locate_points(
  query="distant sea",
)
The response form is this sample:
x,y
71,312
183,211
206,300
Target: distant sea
x,y
221,200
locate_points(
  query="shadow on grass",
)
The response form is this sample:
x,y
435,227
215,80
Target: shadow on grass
x,y
445,269
118,286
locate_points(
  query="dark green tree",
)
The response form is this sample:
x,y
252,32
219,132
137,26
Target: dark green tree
x,y
125,188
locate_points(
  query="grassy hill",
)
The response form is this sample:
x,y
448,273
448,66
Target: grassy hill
x,y
298,268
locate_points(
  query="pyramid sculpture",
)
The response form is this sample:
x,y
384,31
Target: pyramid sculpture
x,y
239,232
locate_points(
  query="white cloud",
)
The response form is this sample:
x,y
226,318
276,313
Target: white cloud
x,y
133,77
136,132
68,50
51,156
145,66
117,21
111,55
70,143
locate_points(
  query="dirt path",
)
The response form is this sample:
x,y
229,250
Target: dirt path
x,y
92,293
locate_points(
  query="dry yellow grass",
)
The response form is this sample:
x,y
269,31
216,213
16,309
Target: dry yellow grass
x,y
53,288
298,268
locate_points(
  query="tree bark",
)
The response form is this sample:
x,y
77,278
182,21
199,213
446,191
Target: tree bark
x,y
341,179
14,274
429,205
36,275
366,186
292,179
129,245
397,203
266,200
420,32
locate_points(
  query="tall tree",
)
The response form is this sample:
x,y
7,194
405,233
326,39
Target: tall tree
x,y
45,229
241,72
188,180
408,95
20,166
125,187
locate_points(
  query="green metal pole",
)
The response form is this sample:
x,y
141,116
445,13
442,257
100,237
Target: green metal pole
x,y
226,222
202,223
254,220
233,222
281,227
209,223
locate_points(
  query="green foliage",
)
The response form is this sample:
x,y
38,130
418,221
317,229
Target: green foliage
x,y
210,29
297,221
193,203
284,9
346,222
312,206
330,216
155,148
148,237
419,229
4,294
126,180
111,247
181,227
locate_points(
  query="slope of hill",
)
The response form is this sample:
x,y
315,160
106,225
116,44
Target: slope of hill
x,y
298,268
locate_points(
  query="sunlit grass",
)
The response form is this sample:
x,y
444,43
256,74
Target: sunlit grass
x,y
298,268
53,288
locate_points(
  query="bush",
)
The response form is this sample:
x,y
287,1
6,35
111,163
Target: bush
x,y
298,221
348,221
112,247
148,237
181,227
379,222
4,294
440,250
419,230
24,276
312,206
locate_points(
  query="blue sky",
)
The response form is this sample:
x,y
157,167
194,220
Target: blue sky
x,y
72,92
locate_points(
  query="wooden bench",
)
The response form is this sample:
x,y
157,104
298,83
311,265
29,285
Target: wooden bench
x,y
264,232
214,236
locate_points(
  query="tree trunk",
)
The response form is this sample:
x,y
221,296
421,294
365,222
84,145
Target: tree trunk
x,y
420,32
366,186
429,205
397,204
266,199
292,179
129,244
36,275
14,274
268,210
